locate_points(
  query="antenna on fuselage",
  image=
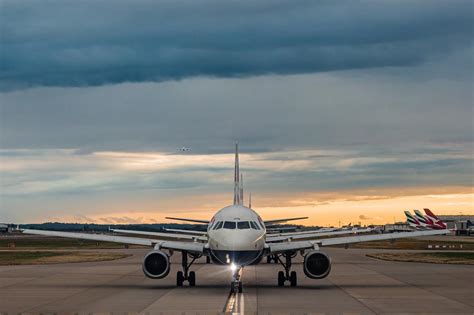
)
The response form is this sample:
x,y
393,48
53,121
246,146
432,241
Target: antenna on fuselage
x,y
237,192
250,200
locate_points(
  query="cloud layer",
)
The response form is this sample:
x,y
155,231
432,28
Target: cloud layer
x,y
343,106
89,43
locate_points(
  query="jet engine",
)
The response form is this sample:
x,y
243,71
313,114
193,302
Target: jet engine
x,y
317,265
156,264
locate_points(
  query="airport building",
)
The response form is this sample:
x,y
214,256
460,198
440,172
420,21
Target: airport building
x,y
462,224
396,227
6,228
3,228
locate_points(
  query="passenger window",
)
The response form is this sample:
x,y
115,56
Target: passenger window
x,y
254,225
229,225
243,225
218,225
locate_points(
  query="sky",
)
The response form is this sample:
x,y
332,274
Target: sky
x,y
345,111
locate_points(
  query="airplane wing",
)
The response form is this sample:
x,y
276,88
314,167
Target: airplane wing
x,y
271,222
301,245
293,237
159,234
188,220
195,247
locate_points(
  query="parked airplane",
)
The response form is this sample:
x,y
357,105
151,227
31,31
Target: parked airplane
x,y
237,236
428,221
434,221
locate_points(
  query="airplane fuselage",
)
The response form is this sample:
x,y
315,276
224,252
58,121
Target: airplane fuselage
x,y
236,236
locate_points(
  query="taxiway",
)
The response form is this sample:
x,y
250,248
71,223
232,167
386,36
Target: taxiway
x,y
357,284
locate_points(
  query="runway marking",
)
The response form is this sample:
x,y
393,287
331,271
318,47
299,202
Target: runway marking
x,y
230,304
235,303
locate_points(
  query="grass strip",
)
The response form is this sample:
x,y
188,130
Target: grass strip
x,y
17,257
462,258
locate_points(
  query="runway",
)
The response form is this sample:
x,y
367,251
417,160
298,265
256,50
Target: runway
x,y
357,284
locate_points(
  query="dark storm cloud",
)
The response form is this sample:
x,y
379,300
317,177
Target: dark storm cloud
x,y
84,43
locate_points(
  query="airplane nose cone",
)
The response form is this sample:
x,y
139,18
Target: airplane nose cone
x,y
237,247
236,240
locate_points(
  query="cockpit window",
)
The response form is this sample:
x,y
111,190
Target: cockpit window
x,y
243,225
218,225
230,225
254,225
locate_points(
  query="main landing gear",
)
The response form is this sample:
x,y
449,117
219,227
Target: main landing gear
x,y
236,284
287,275
187,275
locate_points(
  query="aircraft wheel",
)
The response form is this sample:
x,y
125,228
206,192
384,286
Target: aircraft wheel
x,y
293,279
281,278
269,259
240,287
192,279
179,278
208,260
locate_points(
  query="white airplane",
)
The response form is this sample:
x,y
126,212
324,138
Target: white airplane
x,y
236,236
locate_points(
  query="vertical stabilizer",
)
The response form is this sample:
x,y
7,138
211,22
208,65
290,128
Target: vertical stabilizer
x,y
411,220
420,217
241,189
236,177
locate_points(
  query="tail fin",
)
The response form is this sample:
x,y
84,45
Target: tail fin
x,y
437,223
421,218
237,188
430,214
412,221
241,189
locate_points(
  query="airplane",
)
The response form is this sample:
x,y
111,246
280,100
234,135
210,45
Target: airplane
x,y
185,149
237,236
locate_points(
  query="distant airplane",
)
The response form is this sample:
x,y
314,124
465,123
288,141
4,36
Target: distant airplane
x,y
185,149
237,236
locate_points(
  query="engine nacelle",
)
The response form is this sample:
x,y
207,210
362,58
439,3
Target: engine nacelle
x,y
156,264
317,265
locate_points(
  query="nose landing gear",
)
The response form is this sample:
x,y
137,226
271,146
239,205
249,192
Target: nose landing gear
x,y
236,284
287,275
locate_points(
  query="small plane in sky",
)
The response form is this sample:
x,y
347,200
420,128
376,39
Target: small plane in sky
x,y
184,149
237,236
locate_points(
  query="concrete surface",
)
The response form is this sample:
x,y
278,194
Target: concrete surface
x,y
357,284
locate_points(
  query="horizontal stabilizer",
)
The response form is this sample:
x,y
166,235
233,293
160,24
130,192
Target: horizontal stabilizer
x,y
189,220
271,222
193,232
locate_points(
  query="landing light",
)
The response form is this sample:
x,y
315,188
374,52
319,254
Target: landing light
x,y
233,267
